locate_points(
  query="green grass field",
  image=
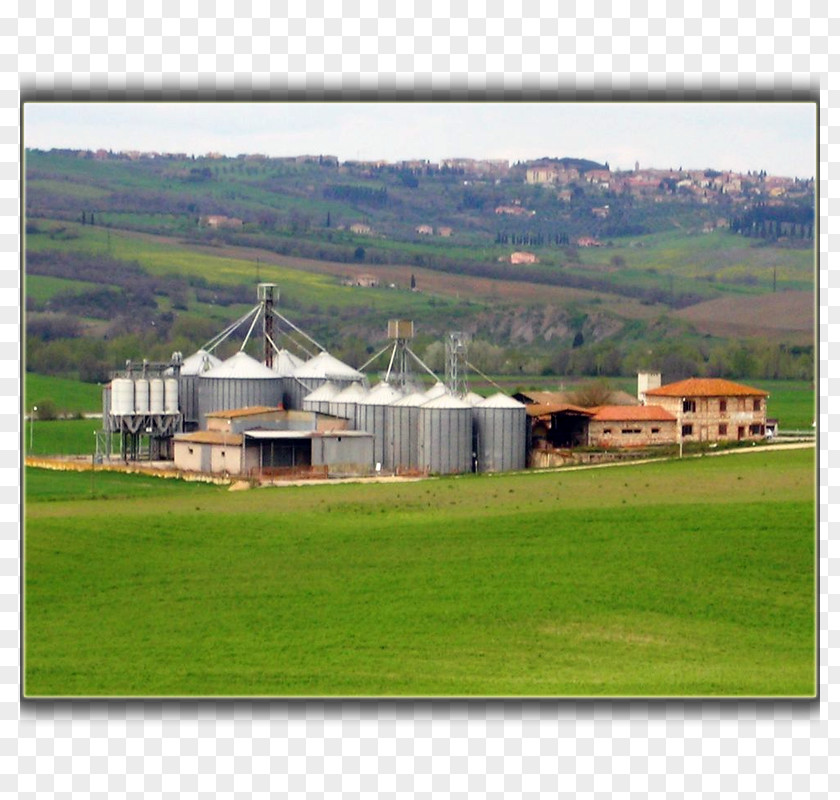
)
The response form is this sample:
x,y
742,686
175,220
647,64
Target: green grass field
x,y
680,578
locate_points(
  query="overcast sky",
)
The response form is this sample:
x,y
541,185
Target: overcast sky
x,y
777,137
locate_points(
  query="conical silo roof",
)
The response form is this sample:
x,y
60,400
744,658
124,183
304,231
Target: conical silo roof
x,y
285,363
472,398
350,394
435,391
414,399
326,391
499,400
446,401
382,394
199,362
241,365
326,366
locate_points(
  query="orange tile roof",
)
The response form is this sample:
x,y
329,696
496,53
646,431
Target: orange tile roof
x,y
632,414
705,387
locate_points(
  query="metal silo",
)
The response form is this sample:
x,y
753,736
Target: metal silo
x,y
285,363
156,396
239,382
197,364
401,450
371,417
500,431
472,398
343,404
445,435
437,390
306,378
141,396
319,400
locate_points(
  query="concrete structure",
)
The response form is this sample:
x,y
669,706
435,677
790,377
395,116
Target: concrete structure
x,y
262,442
713,409
631,426
646,381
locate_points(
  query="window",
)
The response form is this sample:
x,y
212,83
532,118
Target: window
x,y
654,430
631,430
689,406
722,406
190,450
722,429
607,431
756,405
755,430
687,430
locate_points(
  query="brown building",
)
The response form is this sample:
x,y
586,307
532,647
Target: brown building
x,y
713,409
631,426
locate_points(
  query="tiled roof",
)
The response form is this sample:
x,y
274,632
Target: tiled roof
x,y
546,409
705,387
632,414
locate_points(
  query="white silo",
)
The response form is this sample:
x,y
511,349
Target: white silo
x,y
500,434
445,435
156,396
141,396
122,396
285,363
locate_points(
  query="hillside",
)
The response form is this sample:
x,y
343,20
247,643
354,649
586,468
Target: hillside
x,y
134,257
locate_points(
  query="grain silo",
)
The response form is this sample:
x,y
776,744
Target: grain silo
x,y
319,400
401,421
197,364
436,390
315,372
239,382
445,435
343,403
285,363
371,417
500,434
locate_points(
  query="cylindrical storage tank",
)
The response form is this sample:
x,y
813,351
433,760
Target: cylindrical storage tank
x,y
319,400
401,422
344,402
141,396
445,435
306,378
371,417
156,404
122,396
500,434
239,382
197,364
171,396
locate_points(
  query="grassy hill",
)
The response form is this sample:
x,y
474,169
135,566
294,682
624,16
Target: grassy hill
x,y
654,579
121,264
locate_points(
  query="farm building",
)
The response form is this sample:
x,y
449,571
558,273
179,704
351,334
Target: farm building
x,y
262,442
713,409
631,426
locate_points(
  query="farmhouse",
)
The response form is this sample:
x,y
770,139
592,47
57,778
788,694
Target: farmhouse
x,y
713,409
220,221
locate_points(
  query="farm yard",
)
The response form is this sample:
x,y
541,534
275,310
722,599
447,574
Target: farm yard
x,y
680,578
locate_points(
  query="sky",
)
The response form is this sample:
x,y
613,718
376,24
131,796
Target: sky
x,y
777,137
